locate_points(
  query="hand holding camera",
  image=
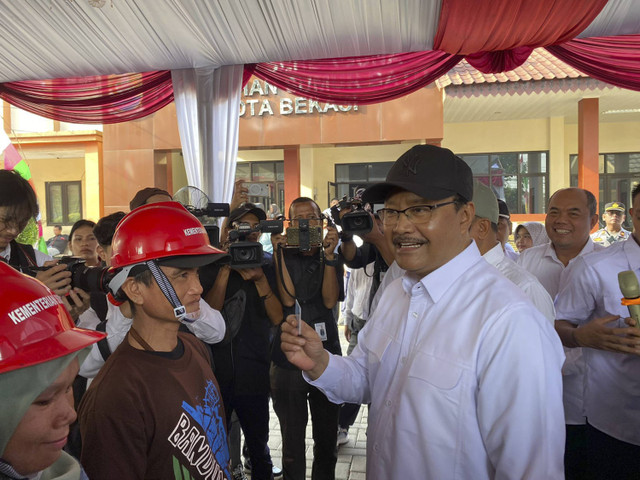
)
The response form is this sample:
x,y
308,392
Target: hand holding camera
x,y
330,242
56,276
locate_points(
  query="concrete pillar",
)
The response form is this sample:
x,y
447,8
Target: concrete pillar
x,y
93,182
291,175
588,145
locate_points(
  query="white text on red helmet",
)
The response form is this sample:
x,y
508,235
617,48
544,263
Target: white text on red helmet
x,y
22,313
194,231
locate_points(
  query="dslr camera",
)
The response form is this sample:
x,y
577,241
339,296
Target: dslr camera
x,y
246,254
357,222
304,237
89,279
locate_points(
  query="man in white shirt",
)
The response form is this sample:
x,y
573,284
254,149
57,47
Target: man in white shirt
x,y
590,315
504,230
571,214
463,383
484,230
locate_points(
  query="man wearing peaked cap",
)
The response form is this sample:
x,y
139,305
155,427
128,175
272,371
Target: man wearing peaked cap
x,y
438,357
484,230
155,407
613,217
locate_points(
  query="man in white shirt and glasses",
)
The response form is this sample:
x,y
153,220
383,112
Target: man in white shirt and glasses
x,y
463,382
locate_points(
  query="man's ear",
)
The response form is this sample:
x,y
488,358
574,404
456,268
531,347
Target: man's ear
x,y
101,253
133,290
467,213
594,221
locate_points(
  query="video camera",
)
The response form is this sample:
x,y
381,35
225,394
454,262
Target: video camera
x,y
89,279
246,254
213,210
357,222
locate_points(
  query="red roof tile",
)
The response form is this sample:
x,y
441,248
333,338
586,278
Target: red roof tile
x,y
540,65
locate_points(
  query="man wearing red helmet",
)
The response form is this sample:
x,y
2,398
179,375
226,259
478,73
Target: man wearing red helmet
x,y
39,351
155,408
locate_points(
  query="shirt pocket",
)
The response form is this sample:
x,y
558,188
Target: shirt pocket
x,y
378,347
434,391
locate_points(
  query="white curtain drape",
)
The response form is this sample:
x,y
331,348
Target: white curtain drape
x,y
207,105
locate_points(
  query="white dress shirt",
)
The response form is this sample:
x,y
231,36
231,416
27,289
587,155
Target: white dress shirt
x,y
41,257
612,392
463,383
356,302
527,282
210,328
543,262
510,252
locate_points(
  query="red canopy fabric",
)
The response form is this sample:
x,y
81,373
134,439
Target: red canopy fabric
x,y
100,99
614,60
498,35
358,80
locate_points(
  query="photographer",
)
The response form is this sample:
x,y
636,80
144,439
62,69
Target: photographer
x,y
313,277
247,297
18,205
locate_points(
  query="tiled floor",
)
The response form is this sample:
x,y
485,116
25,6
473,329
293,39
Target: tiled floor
x,y
351,456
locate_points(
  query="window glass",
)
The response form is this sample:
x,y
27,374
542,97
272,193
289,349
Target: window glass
x,y
54,202
280,171
358,172
74,202
342,173
378,171
243,171
263,172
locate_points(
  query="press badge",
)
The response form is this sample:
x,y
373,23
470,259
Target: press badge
x,y
321,331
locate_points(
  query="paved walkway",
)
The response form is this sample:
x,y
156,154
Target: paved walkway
x,y
351,456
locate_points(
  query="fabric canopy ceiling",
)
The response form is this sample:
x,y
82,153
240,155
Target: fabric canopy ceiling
x,y
44,39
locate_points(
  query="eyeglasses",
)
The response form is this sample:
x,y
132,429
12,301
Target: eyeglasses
x,y
617,213
417,214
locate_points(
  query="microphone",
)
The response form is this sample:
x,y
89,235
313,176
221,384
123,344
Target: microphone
x,y
631,290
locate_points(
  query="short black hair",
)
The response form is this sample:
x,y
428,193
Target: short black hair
x,y
59,227
305,200
634,192
106,227
81,223
592,203
17,196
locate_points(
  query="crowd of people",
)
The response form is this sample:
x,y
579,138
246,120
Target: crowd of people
x,y
475,360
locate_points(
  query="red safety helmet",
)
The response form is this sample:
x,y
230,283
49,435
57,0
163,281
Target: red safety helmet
x,y
158,231
35,327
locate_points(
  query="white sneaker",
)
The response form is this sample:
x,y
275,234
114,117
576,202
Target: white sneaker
x,y
343,436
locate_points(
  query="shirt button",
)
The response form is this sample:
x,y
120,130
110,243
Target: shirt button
x,y
375,447
415,315
388,403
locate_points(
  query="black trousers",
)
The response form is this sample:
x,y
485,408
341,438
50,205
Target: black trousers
x,y
609,458
290,394
253,416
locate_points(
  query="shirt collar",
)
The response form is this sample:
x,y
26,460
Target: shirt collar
x,y
588,248
6,253
495,255
632,251
438,282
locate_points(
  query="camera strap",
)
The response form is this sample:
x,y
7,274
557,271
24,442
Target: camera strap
x,y
22,257
315,266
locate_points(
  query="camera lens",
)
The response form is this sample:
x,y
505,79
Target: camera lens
x,y
245,254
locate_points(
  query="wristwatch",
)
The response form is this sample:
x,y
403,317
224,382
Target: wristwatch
x,y
331,263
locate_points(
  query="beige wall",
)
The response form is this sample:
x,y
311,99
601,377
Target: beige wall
x,y
48,170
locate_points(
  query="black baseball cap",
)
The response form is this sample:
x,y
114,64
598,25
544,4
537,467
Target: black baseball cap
x,y
145,194
245,208
503,210
426,170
